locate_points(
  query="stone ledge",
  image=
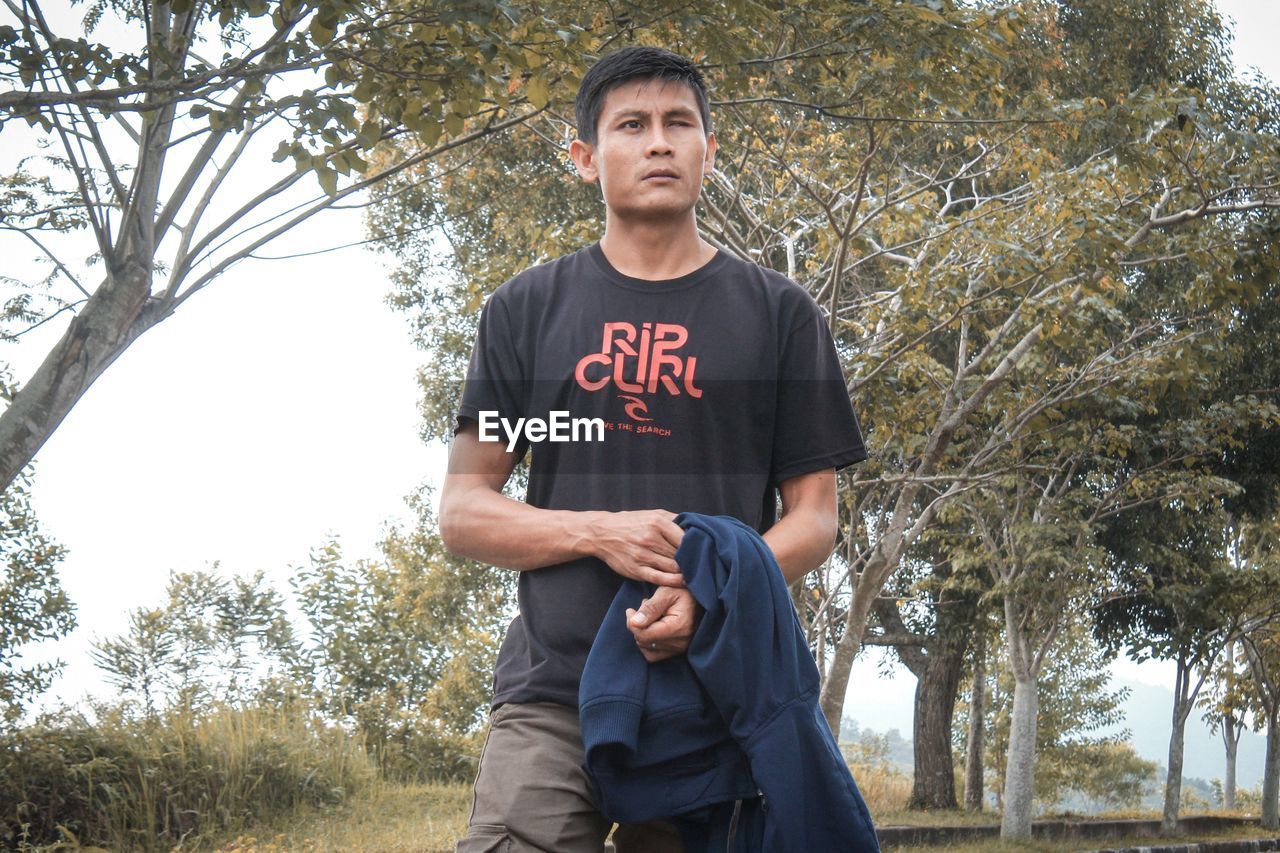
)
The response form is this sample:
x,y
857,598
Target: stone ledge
x,y
1256,845
1100,830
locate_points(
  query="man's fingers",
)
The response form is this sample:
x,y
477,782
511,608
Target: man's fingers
x,y
654,576
653,655
665,627
652,608
658,632
671,532
661,562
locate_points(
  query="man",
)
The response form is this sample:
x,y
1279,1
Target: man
x,y
716,387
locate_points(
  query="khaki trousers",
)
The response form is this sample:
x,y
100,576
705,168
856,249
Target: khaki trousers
x,y
531,794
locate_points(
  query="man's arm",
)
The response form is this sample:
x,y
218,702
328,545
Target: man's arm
x,y
805,532
801,540
478,521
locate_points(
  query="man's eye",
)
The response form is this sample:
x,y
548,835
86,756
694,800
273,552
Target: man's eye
x,y
631,122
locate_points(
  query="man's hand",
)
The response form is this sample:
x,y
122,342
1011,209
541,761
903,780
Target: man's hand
x,y
638,544
667,620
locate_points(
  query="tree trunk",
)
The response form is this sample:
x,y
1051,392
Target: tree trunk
x,y
836,683
1019,779
114,315
1173,781
1231,740
1271,774
870,581
937,662
973,782
105,326
934,786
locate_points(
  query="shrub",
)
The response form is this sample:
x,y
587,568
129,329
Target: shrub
x,y
146,783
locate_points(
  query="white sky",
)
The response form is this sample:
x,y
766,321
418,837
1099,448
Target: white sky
x,y
276,406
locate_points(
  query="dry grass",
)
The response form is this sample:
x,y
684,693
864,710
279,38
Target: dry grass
x,y
942,817
390,818
383,818
885,788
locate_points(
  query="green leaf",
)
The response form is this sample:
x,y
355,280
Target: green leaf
x,y
365,89
328,180
537,91
430,133
369,134
322,31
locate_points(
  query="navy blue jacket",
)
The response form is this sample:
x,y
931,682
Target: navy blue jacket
x,y
735,718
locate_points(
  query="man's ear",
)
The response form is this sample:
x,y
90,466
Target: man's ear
x,y
583,155
709,162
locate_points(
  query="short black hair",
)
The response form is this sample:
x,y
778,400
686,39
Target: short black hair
x,y
634,63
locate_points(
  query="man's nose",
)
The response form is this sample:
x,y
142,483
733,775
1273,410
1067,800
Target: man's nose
x,y
658,142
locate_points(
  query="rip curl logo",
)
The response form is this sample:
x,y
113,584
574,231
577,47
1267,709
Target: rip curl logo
x,y
635,408
640,362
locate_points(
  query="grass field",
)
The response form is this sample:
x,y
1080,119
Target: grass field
x,y
384,817
388,818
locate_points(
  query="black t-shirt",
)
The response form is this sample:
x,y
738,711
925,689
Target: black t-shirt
x,y
710,389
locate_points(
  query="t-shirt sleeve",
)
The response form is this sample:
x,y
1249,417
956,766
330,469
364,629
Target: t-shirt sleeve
x,y
814,425
495,375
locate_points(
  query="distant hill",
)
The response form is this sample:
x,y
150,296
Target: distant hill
x,y
885,707
1148,716
881,694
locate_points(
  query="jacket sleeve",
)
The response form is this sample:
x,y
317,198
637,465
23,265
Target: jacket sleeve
x,y
752,658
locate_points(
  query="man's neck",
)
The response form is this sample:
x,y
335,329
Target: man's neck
x,y
655,251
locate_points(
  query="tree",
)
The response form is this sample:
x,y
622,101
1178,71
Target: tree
x,y
1264,664
33,606
975,740
1225,702
215,639
1174,597
1075,701
403,648
400,649
1110,774
1259,549
966,219
941,391
931,618
1039,556
1037,524
139,661
151,142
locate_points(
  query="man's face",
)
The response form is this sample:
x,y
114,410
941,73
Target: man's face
x,y
648,127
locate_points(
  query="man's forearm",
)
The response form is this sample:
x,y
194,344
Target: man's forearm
x,y
801,541
492,528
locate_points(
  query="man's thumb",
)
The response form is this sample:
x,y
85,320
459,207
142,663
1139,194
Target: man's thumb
x,y
644,614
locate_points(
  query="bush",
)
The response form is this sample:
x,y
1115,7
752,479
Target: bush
x,y
146,783
884,786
